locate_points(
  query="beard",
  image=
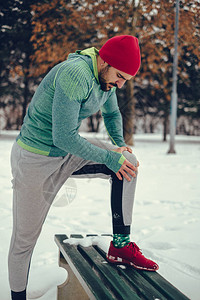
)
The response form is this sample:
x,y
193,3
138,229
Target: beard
x,y
104,84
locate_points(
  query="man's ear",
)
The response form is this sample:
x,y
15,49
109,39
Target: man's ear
x,y
103,63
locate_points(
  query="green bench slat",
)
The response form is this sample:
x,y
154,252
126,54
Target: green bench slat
x,y
143,287
109,275
74,259
164,286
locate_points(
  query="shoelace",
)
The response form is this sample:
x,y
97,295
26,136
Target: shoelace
x,y
134,248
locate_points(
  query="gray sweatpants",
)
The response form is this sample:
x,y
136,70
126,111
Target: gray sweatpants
x,y
36,181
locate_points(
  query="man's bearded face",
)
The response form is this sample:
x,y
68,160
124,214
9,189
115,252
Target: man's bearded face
x,y
104,81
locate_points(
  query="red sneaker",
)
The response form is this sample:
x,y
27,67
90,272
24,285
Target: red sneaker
x,y
130,255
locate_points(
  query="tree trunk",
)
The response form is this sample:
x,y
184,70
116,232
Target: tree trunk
x,y
26,92
91,124
166,121
128,110
25,96
128,113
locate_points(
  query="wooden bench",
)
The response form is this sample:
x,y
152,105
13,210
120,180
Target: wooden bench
x,y
90,276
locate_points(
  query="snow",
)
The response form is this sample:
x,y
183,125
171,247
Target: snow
x,y
166,218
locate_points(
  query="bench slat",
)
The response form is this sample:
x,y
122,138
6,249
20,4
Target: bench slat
x,y
143,287
80,268
108,274
164,286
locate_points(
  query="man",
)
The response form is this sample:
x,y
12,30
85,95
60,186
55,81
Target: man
x,y
49,150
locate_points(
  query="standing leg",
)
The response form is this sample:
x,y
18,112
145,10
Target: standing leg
x,y
28,218
31,203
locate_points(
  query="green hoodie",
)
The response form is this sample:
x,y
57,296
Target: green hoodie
x,y
69,93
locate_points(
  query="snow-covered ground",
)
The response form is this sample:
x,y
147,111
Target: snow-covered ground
x,y
166,220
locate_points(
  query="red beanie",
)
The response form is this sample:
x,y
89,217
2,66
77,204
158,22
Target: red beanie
x,y
123,53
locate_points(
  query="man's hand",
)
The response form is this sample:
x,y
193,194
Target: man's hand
x,y
127,167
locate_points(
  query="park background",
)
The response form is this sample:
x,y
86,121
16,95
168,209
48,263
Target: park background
x,y
36,35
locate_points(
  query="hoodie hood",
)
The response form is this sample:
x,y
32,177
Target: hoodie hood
x,y
92,53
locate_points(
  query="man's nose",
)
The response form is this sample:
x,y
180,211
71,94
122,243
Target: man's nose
x,y
120,83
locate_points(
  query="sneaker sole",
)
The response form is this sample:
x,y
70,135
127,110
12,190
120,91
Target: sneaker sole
x,y
122,261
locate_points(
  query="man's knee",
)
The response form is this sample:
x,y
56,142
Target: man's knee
x,y
130,157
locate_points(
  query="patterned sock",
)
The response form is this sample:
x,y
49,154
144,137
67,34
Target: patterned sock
x,y
120,240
